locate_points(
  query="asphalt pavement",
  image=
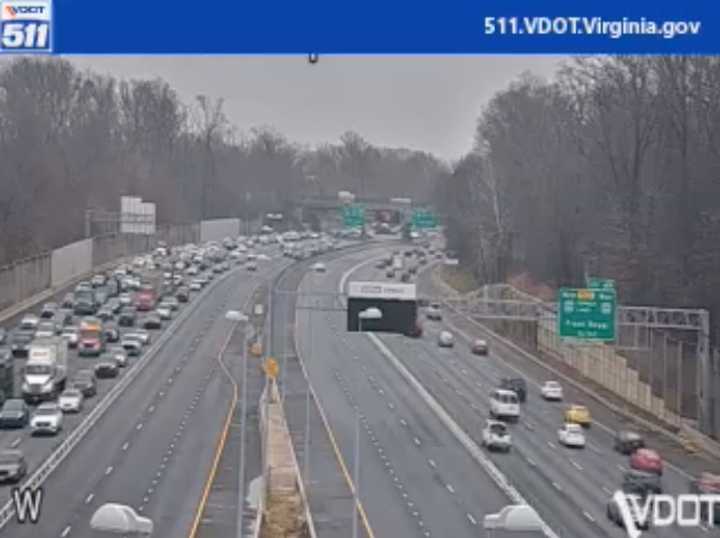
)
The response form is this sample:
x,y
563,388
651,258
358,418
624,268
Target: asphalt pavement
x,y
153,448
415,477
568,487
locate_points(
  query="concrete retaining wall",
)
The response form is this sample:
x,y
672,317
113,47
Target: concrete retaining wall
x,y
216,230
178,235
23,279
606,367
71,261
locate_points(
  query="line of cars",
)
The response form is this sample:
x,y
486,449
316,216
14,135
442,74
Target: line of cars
x,y
109,319
406,264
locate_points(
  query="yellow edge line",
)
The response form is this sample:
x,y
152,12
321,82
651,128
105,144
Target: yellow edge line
x,y
221,442
336,449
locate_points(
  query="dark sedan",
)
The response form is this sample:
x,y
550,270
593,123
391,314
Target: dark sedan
x,y
84,381
20,343
13,466
627,442
127,317
151,321
107,369
14,414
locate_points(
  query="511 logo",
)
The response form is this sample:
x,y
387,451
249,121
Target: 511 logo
x,y
25,26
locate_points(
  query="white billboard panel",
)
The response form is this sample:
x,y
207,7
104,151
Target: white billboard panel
x,y
136,216
381,290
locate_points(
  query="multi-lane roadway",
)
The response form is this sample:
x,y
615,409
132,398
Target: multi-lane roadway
x,y
416,478
153,448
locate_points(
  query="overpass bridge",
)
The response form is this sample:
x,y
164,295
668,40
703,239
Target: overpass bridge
x,y
370,203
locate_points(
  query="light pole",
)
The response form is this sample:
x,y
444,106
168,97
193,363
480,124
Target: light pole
x,y
369,313
237,318
356,475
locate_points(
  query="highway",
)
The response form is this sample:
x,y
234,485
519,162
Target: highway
x,y
415,478
568,487
153,448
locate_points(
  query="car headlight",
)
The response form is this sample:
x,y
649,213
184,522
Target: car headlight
x,y
25,386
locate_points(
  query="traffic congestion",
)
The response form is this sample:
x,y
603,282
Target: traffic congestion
x,y
64,355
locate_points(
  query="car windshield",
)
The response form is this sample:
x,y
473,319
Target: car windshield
x,y
498,429
71,394
13,405
46,411
38,369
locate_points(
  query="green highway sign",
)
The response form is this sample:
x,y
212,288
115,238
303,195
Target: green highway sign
x,y
422,218
600,283
587,314
353,216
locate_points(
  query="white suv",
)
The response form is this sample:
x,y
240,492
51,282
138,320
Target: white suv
x,y
495,436
47,418
504,404
446,339
552,390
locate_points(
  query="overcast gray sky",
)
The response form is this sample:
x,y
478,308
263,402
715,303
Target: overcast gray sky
x,y
428,103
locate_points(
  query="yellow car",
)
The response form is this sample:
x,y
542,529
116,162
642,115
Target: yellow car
x,y
578,414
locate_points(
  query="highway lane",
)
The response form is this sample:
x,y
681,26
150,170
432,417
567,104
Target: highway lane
x,y
691,464
416,479
37,449
550,476
179,392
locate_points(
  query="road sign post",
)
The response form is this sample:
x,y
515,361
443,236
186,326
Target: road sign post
x,y
587,314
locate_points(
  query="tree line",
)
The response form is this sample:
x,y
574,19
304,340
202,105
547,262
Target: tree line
x,y
611,169
72,140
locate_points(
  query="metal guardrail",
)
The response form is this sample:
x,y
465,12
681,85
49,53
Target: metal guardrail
x,y
41,474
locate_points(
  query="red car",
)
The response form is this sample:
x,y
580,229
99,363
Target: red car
x,y
416,331
645,459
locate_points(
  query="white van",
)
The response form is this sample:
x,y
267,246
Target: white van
x,y
446,339
504,404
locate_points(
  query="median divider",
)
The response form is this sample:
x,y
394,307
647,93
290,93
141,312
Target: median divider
x,y
41,474
285,509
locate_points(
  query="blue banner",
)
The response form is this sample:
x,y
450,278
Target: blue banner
x,y
371,26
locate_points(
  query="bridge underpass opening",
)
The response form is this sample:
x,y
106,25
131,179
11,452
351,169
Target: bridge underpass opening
x,y
397,304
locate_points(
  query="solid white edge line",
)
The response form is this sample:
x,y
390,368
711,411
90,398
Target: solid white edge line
x,y
464,439
472,448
